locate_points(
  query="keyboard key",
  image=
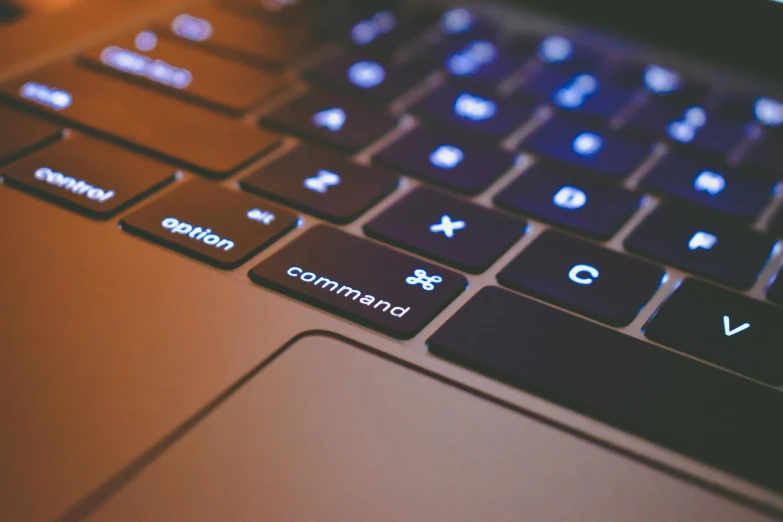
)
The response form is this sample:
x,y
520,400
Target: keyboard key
x,y
363,76
457,163
322,183
182,71
480,61
689,126
453,106
360,280
213,224
708,414
556,195
662,83
605,152
239,37
21,133
333,119
724,252
190,136
88,176
557,51
718,188
448,230
584,93
583,277
775,290
731,330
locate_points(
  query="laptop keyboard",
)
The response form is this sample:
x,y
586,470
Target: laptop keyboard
x,y
645,172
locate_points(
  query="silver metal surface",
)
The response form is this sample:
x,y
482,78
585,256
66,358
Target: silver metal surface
x,y
111,345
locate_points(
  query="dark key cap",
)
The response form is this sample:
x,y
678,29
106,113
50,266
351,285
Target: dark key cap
x,y
703,412
482,62
446,229
451,105
559,52
180,70
236,36
584,93
456,163
691,125
724,252
731,330
775,290
601,151
662,83
88,176
21,133
191,136
715,187
336,120
216,225
583,277
764,110
361,281
554,194
360,75
767,156
322,183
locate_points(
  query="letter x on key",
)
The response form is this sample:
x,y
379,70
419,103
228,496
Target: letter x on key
x,y
447,226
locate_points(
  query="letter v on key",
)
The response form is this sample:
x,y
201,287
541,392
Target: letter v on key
x,y
727,327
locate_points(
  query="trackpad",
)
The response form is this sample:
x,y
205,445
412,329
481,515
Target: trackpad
x,y
331,432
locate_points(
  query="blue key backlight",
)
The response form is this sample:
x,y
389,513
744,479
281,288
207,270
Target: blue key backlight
x,y
768,112
555,49
191,28
139,65
587,144
54,98
475,108
471,58
456,21
366,74
369,30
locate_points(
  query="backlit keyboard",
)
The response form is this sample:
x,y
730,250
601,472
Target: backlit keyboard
x,y
623,212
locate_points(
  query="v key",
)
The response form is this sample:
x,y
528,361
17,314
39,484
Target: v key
x,y
735,331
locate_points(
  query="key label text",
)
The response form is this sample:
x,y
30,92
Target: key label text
x,y
332,119
178,227
347,292
447,157
260,216
702,240
322,181
447,226
80,187
570,198
56,99
732,332
366,74
587,144
427,282
474,108
709,182
578,273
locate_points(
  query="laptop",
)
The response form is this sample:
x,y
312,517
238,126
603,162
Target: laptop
x,y
280,260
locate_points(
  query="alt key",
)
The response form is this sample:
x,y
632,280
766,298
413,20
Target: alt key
x,y
216,225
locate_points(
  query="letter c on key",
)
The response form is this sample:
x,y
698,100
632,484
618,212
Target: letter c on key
x,y
577,274
293,271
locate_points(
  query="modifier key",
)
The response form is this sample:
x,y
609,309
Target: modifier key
x,y
361,280
20,133
190,136
706,413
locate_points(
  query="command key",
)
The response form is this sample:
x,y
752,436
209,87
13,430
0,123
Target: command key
x,y
361,280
